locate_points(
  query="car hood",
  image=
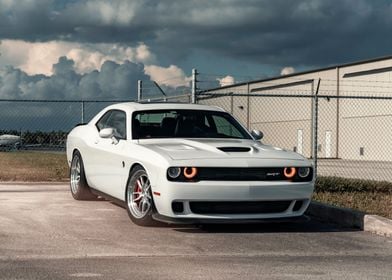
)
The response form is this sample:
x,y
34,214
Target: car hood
x,y
182,149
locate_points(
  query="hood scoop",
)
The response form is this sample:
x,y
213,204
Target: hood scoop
x,y
234,149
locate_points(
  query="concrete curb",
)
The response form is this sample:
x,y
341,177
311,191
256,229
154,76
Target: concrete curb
x,y
378,225
350,218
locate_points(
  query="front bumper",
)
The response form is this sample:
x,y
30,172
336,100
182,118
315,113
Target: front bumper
x,y
232,191
192,221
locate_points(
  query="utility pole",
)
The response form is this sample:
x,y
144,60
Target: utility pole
x,y
194,85
315,127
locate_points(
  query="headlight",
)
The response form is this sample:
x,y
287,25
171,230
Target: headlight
x,y
182,174
174,172
190,172
289,172
303,172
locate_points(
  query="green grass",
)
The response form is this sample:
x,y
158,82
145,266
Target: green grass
x,y
33,166
372,197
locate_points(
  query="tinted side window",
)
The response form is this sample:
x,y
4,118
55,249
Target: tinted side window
x,y
101,124
224,127
114,119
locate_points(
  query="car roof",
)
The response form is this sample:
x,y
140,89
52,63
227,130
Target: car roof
x,y
136,106
131,107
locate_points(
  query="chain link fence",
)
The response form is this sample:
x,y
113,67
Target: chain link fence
x,y
354,136
43,125
346,135
182,98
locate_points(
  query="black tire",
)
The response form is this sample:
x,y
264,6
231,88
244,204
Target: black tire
x,y
78,183
138,190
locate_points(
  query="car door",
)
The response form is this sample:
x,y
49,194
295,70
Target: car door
x,y
107,157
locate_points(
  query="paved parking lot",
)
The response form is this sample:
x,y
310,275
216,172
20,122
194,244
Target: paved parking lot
x,y
45,234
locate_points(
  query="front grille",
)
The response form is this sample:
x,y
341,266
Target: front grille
x,y
240,174
236,207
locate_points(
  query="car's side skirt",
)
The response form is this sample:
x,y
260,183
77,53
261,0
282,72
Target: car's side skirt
x,y
109,197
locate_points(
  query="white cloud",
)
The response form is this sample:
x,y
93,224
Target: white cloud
x,y
38,57
33,58
287,71
226,81
86,61
91,57
171,76
143,53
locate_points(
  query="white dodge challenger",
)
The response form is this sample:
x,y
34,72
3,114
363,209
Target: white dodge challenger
x,y
185,163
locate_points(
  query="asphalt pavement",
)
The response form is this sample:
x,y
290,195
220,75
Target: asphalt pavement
x,y
45,234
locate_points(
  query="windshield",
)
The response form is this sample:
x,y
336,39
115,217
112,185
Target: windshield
x,y
186,124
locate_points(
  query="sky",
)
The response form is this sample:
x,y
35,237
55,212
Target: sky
x,y
99,49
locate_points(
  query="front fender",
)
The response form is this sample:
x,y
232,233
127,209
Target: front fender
x,y
154,163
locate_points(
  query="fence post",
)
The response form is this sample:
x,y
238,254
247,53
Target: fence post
x,y
82,111
139,90
247,107
337,111
194,85
231,104
315,126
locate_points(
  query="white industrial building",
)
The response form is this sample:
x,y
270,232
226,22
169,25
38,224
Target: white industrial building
x,y
348,128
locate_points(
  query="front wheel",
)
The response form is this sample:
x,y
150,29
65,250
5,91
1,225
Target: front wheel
x,y
140,204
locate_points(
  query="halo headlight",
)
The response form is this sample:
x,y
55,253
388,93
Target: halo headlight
x,y
289,172
190,172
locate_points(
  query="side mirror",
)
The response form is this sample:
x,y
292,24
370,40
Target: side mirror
x,y
106,132
257,134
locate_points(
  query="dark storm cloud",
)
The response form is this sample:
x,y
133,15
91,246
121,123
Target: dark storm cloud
x,y
113,82
304,32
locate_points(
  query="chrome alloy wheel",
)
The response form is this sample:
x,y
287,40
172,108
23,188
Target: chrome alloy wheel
x,y
75,174
139,196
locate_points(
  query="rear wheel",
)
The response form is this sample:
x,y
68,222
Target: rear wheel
x,y
79,188
140,204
